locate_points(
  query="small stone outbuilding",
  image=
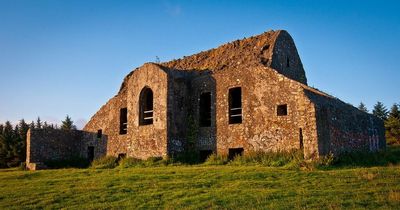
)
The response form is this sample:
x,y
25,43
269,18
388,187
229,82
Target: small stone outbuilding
x,y
246,95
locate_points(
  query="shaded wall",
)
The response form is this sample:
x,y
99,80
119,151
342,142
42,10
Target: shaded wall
x,y
286,60
206,136
52,144
344,128
178,109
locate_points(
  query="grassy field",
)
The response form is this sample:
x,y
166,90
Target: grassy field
x,y
202,186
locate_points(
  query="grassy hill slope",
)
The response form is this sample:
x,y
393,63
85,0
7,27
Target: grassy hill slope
x,y
200,186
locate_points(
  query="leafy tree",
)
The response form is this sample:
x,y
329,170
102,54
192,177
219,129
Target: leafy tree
x,y
380,111
68,124
392,125
362,107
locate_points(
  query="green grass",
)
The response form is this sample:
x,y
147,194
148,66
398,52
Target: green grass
x,y
201,187
241,184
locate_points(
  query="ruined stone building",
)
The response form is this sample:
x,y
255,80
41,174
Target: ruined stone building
x,y
246,95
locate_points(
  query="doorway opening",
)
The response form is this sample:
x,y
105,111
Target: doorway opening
x,y
90,153
204,154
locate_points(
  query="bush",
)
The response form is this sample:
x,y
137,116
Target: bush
x,y
150,162
130,162
153,161
272,159
367,159
287,159
106,162
22,166
215,159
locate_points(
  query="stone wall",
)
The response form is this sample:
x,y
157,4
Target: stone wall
x,y
140,141
344,128
148,140
178,98
269,70
286,60
263,89
52,144
107,120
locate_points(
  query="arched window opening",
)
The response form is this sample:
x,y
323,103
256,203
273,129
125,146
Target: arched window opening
x,y
146,107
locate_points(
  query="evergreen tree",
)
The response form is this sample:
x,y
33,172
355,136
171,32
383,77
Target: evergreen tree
x,y
38,123
68,124
392,125
16,148
23,130
32,125
362,107
45,125
2,149
394,111
6,140
1,129
380,111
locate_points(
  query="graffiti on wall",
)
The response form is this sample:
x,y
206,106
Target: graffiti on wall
x,y
373,140
267,140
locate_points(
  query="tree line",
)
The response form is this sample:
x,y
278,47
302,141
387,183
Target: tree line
x,y
391,119
13,139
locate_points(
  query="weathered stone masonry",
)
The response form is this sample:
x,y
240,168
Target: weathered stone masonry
x,y
247,95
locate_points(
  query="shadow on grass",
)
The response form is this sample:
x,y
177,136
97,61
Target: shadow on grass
x,y
70,163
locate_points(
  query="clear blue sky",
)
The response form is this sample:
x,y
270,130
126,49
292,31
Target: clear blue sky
x,y
61,57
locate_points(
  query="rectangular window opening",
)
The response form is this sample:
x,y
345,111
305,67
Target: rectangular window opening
x,y
234,152
281,110
205,110
123,121
287,62
235,105
301,138
99,133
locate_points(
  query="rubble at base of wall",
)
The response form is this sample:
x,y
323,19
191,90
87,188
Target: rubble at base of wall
x,y
36,166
